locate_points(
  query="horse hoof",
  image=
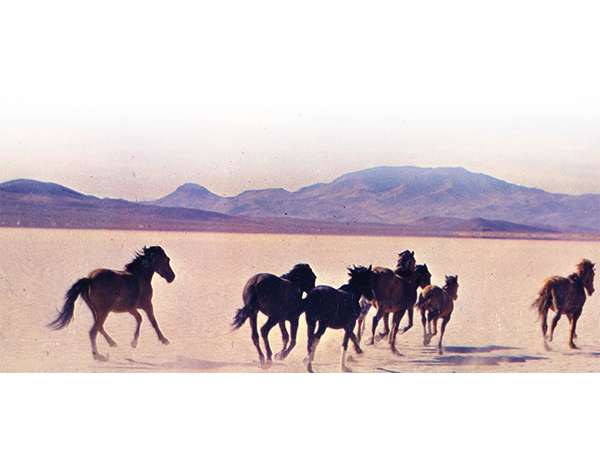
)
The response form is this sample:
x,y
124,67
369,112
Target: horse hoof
x,y
346,369
310,369
266,364
134,343
165,341
280,356
370,342
396,352
114,345
101,358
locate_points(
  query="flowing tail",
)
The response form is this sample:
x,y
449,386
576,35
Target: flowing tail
x,y
243,314
544,301
66,315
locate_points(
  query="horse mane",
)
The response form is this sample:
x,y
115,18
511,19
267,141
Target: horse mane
x,y
299,276
406,264
146,259
584,266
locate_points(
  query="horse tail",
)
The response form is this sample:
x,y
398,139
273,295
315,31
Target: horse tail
x,y
544,301
244,313
66,315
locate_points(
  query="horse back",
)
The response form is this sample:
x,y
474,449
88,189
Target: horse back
x,y
566,292
118,290
272,294
390,290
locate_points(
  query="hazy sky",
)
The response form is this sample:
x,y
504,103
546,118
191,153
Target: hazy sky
x,y
133,99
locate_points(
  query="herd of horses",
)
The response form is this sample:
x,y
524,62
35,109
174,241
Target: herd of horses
x,y
283,299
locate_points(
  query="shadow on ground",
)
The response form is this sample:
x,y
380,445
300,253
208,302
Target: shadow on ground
x,y
182,363
470,356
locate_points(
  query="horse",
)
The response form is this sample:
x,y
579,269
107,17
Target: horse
x,y
336,309
395,294
405,268
279,298
125,291
437,303
565,296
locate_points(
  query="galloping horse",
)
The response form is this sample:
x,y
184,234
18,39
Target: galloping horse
x,y
565,296
405,268
279,298
437,303
336,309
395,294
124,291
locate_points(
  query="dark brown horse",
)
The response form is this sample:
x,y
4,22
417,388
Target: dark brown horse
x,y
279,298
405,268
336,309
124,291
437,303
565,296
397,295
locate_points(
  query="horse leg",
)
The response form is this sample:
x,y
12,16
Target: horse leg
x,y
136,335
386,328
545,330
108,338
410,319
424,321
100,318
376,319
255,338
344,367
553,326
313,343
150,312
285,338
264,332
294,331
445,321
395,325
573,319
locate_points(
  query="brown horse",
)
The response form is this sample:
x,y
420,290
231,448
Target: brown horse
x,y
405,268
124,291
565,296
437,303
279,298
395,294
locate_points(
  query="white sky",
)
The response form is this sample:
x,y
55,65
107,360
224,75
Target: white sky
x,y
133,99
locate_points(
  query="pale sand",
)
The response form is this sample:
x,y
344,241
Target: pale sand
x,y
493,328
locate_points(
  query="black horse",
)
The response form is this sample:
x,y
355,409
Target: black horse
x,y
278,297
336,309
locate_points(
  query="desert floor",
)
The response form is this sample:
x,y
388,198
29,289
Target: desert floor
x,y
493,328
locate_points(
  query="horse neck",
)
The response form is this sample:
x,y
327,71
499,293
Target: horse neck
x,y
354,291
140,271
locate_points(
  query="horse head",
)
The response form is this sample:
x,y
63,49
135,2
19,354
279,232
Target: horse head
x,y
452,286
302,276
586,272
361,281
422,276
406,264
159,261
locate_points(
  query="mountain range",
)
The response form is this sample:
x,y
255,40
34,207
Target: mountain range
x,y
380,201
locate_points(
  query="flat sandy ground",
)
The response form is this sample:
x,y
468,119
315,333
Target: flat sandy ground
x,y
493,328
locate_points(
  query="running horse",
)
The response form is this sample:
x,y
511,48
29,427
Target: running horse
x,y
279,298
437,303
336,309
125,291
405,268
565,296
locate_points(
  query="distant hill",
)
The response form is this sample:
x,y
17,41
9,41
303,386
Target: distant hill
x,y
378,201
403,196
